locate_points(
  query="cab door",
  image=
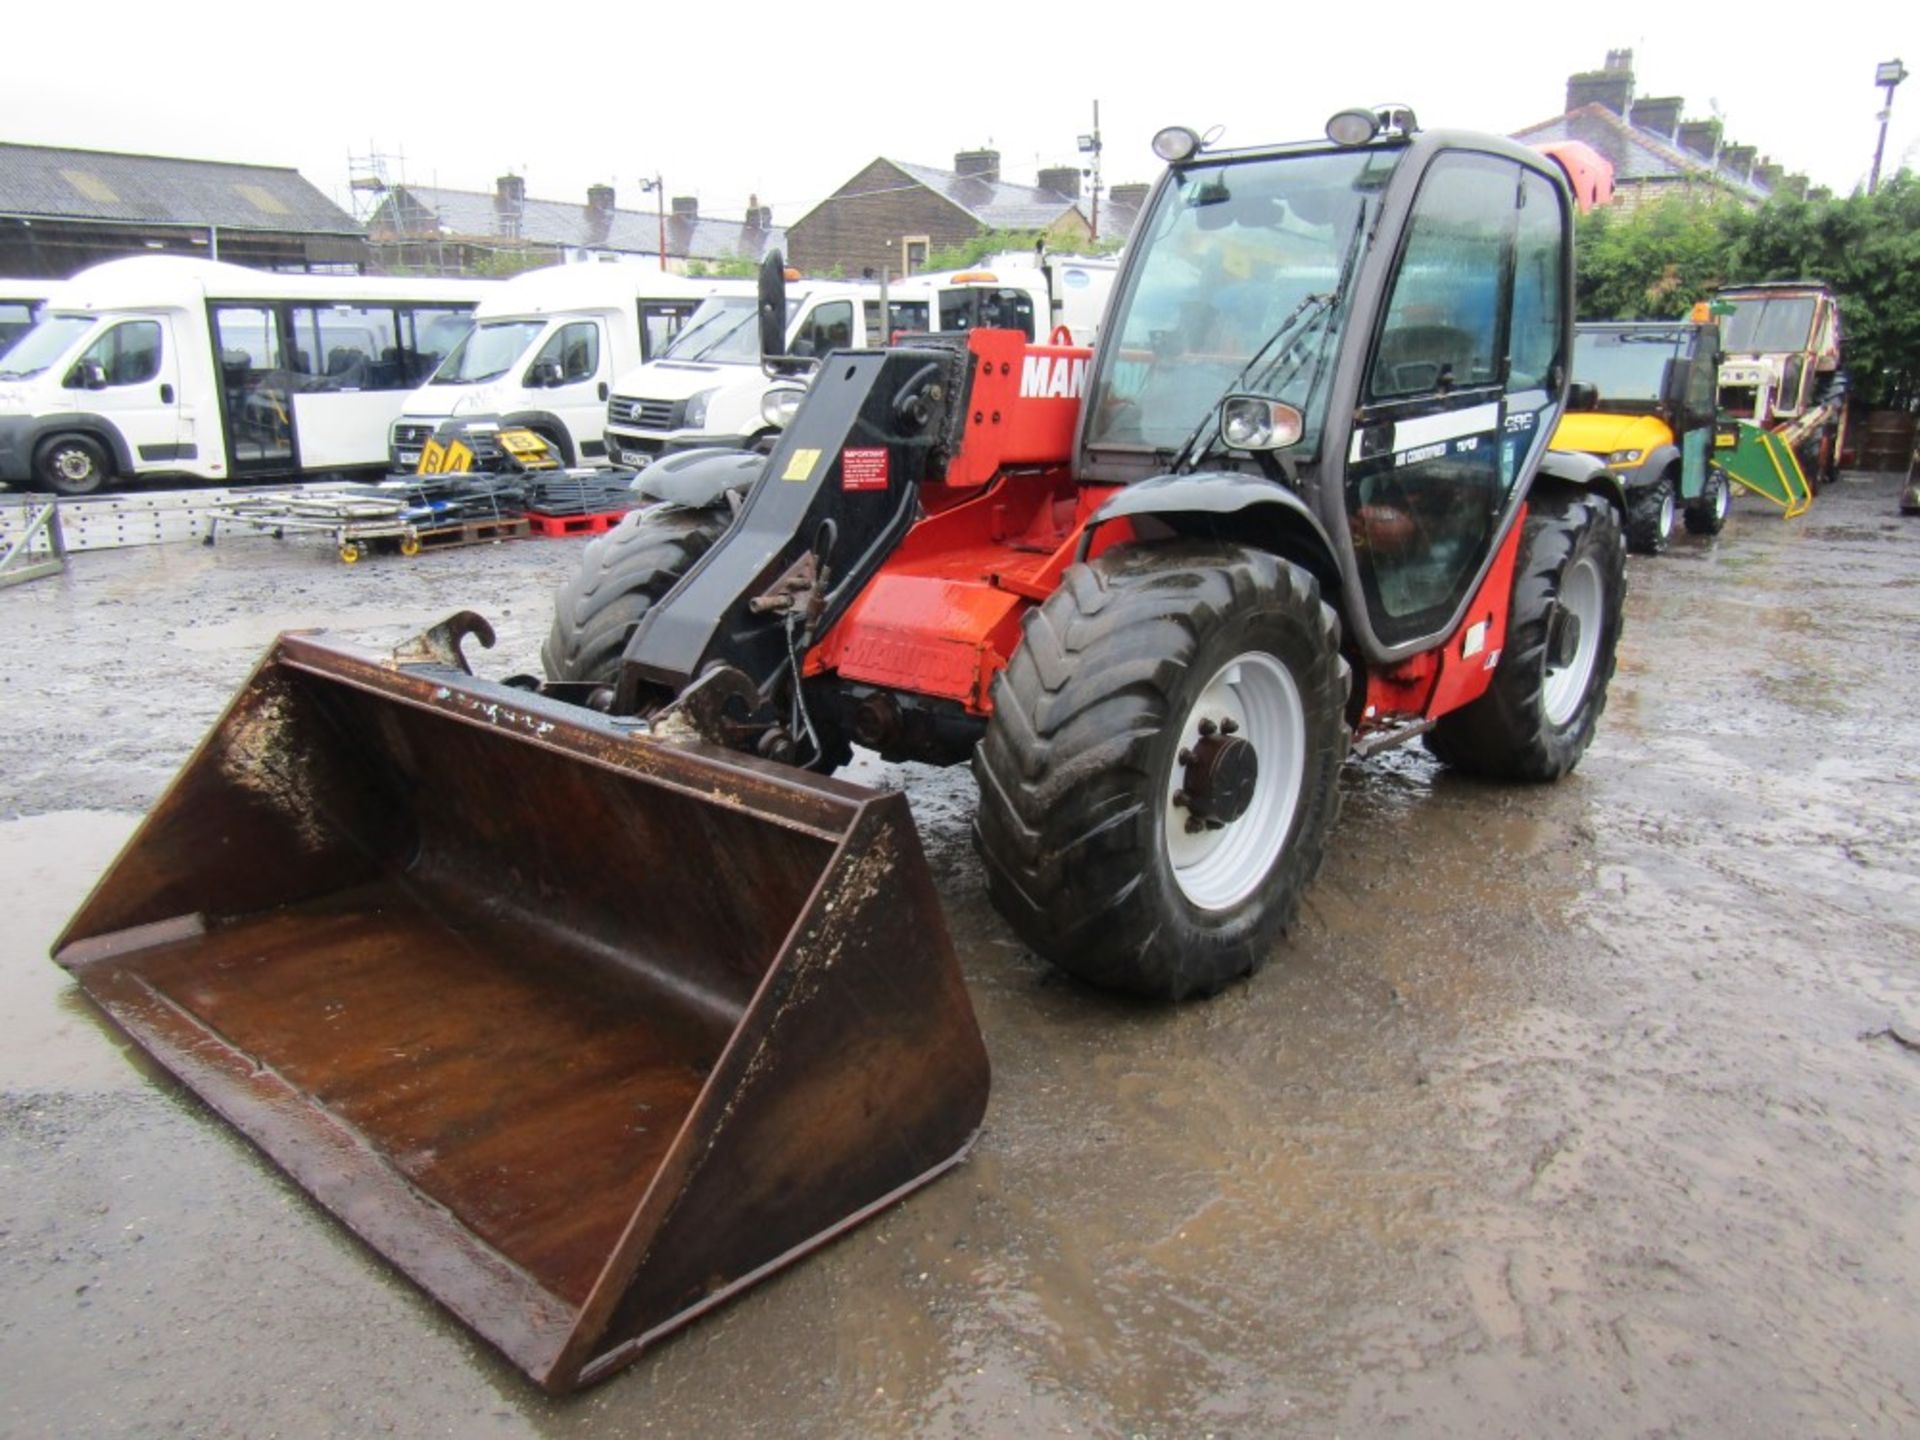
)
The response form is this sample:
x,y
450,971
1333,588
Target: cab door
x,y
130,375
1446,416
565,378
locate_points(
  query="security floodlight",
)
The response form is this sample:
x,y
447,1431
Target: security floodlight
x,y
1089,144
1890,74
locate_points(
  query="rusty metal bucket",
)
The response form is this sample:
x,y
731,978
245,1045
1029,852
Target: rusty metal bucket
x,y
584,1032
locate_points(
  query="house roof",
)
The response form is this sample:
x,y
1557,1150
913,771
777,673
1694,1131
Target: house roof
x,y
1635,153
470,213
58,183
994,203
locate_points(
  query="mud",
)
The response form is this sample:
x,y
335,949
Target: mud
x,y
1571,1109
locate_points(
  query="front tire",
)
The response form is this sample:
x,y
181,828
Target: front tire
x,y
1708,514
622,574
1650,515
1124,839
73,465
1538,717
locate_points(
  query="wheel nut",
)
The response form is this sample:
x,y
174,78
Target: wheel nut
x,y
1195,825
1229,726
1186,757
1180,799
1207,729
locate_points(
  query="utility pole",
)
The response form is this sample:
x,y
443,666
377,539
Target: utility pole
x,y
1090,145
1888,75
658,189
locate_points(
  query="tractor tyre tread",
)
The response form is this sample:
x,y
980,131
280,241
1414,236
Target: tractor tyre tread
x,y
1074,764
622,574
1505,734
1645,505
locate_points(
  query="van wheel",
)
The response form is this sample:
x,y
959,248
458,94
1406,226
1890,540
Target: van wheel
x,y
73,465
1650,516
1708,514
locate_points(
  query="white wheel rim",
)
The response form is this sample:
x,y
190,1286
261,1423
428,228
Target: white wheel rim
x,y
74,464
1722,497
1218,869
1566,687
1666,513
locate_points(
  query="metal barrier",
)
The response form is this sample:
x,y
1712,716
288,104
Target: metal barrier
x,y
40,536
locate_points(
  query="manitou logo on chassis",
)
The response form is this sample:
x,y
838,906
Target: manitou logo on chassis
x,y
1047,377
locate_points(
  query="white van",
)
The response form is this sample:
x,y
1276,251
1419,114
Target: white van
x,y
21,302
165,365
544,349
706,388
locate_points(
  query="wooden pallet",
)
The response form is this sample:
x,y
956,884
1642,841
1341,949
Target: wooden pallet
x,y
473,532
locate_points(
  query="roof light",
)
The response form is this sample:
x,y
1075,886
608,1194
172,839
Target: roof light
x,y
976,277
790,273
1353,127
1176,143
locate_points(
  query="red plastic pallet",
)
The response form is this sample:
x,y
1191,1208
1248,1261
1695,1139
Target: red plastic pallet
x,y
554,526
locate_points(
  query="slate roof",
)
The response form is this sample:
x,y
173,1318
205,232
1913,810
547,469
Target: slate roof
x,y
1636,153
472,213
57,183
994,203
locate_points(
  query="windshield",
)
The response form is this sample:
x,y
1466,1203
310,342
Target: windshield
x,y
487,351
1234,253
44,345
1624,365
1769,325
722,329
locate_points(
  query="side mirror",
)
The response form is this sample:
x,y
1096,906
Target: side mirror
x,y
92,375
1583,395
773,306
547,374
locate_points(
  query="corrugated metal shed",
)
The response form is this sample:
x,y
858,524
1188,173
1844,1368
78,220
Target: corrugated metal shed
x,y
47,182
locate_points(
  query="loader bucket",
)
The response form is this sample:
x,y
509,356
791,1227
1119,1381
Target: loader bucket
x,y
583,1031
1763,462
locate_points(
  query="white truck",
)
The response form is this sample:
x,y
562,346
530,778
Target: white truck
x,y
545,348
163,365
1014,292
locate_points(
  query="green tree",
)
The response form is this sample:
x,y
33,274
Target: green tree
x,y
1651,263
969,253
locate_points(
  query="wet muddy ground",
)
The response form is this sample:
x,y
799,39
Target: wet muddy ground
x,y
1577,1110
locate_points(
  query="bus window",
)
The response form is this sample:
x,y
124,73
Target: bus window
x,y
428,333
348,347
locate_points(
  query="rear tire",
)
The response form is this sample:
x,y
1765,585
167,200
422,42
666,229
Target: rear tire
x,y
1538,717
622,574
73,465
1650,515
1088,854
1708,514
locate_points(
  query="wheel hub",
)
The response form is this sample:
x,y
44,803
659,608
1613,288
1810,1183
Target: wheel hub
x,y
1222,769
73,464
1563,640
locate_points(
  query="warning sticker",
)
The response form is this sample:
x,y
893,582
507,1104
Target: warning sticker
x,y
800,465
863,468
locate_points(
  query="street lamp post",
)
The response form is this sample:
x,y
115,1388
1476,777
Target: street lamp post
x,y
1887,75
1090,145
658,189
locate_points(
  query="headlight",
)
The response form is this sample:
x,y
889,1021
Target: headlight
x,y
695,414
1625,457
779,405
1252,422
1175,143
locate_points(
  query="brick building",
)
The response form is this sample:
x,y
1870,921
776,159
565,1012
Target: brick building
x,y
1654,151
892,214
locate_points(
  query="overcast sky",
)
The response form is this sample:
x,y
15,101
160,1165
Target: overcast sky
x,y
787,102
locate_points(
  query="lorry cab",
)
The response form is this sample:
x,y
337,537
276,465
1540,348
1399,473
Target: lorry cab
x,y
1011,292
1644,407
706,388
544,351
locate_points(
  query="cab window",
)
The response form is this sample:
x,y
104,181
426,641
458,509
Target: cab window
x,y
829,327
575,349
129,354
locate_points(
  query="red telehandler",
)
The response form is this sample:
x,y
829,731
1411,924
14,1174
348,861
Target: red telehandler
x,y
591,999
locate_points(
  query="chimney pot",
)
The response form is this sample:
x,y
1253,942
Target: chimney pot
x,y
1611,87
686,207
978,165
